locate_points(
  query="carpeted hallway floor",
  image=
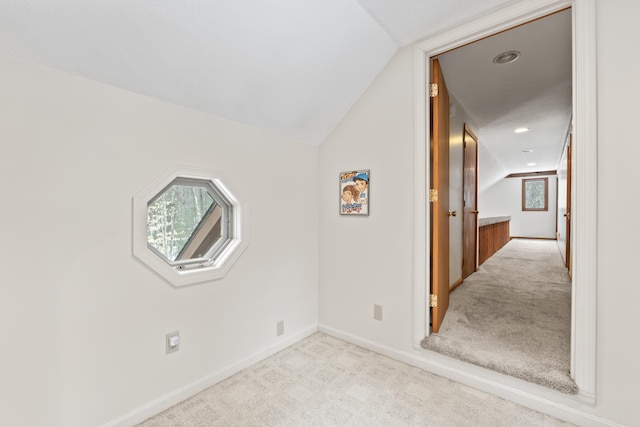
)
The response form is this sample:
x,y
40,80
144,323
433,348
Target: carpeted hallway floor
x,y
513,316
323,381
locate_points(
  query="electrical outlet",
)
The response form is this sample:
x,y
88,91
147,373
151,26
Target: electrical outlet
x,y
172,341
280,328
377,312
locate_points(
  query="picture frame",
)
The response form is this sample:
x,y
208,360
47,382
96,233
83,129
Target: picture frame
x,y
354,192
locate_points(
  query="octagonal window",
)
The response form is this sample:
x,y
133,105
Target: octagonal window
x,y
187,227
187,221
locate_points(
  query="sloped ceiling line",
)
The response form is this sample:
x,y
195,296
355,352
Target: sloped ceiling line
x,y
290,67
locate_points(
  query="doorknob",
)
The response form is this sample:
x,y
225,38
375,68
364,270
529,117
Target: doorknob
x,y
567,215
475,212
453,213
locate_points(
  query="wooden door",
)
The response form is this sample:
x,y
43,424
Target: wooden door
x,y
568,214
470,203
564,205
439,147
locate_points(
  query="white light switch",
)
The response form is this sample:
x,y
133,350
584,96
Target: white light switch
x,y
172,341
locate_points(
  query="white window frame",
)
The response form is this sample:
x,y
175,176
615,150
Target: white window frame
x,y
200,271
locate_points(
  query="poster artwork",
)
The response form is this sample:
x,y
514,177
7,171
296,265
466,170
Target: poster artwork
x,y
354,192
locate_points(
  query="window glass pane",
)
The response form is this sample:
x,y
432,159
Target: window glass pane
x,y
534,194
188,226
179,221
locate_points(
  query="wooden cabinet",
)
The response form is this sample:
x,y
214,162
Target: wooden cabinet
x,y
494,234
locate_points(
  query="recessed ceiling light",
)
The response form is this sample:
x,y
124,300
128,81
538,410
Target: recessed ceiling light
x,y
531,164
507,57
521,130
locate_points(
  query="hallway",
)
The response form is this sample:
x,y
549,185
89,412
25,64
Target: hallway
x,y
513,316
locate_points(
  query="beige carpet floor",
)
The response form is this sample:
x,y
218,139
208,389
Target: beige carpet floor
x,y
513,316
323,381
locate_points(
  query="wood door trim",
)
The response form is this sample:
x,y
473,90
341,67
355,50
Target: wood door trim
x,y
526,174
456,284
476,253
568,247
473,135
533,238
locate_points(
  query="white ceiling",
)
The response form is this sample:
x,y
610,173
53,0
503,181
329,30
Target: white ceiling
x,y
291,67
295,67
407,21
532,92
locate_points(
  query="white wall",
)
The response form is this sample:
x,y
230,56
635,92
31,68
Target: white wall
x,y
378,134
83,322
618,250
490,171
369,260
505,199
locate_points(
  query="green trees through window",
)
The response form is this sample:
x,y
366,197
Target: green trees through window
x,y
174,216
535,194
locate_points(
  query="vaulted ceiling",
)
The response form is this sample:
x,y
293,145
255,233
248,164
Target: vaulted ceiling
x,y
295,67
291,67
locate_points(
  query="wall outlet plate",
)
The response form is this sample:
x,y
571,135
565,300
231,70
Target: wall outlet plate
x,y
172,341
280,328
377,312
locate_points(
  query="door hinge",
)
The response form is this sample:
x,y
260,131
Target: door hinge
x,y
433,300
433,195
433,90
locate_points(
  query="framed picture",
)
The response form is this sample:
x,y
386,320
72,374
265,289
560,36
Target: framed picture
x,y
354,192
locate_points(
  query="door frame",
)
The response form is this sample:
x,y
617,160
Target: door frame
x,y
584,224
465,229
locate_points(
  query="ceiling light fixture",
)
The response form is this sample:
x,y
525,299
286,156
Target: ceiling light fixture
x,y
507,57
527,151
521,130
531,164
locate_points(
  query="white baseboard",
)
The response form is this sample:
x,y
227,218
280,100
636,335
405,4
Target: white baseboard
x,y
168,400
565,407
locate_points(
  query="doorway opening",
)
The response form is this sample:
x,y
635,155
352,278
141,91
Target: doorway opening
x,y
583,283
513,314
